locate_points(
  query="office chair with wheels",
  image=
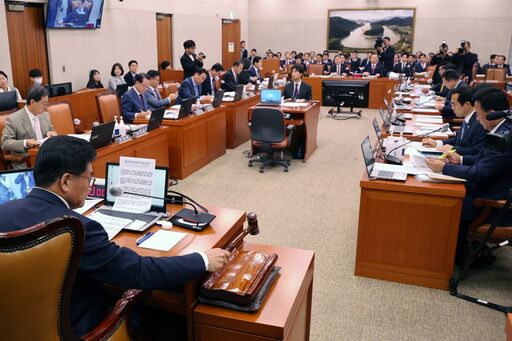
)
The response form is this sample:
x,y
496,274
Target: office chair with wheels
x,y
108,106
268,134
39,265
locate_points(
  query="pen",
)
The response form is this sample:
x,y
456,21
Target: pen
x,y
143,238
445,154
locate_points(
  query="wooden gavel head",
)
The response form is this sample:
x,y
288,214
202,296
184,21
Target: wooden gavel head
x,y
252,221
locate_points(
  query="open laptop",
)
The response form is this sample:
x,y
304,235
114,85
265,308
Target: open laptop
x,y
121,89
217,99
236,96
378,132
101,135
270,97
158,207
8,100
185,110
155,121
15,184
271,80
369,161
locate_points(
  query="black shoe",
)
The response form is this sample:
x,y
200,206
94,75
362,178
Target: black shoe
x,y
482,261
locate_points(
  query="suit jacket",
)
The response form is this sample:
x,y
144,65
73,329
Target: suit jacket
x,y
230,83
243,54
255,73
207,86
505,66
131,104
304,91
364,62
386,58
407,70
487,66
488,175
419,68
343,68
128,78
189,66
440,89
18,128
469,140
355,64
447,111
101,261
187,91
379,70
155,100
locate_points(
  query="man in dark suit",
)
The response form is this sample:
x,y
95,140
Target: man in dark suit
x,y
439,89
488,173
297,89
469,139
366,60
421,65
451,80
339,68
231,78
189,61
490,65
500,64
243,50
133,102
403,67
63,176
253,54
374,68
208,86
129,77
387,54
465,59
152,95
255,70
191,87
326,61
355,62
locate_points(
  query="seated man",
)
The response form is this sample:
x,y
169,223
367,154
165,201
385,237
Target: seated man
x,y
488,173
255,70
63,175
191,86
297,89
26,127
490,65
421,65
374,68
152,95
403,67
439,89
470,138
231,78
355,62
133,102
209,87
451,81
339,68
500,64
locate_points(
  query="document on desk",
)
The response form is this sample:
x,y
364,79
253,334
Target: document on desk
x,y
429,119
89,203
406,168
293,104
111,225
425,110
162,240
135,176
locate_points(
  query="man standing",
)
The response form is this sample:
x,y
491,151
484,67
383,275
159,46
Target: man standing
x,y
387,55
243,50
189,61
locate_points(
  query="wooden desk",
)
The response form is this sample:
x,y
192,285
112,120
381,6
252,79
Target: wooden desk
x,y
285,314
83,105
508,327
153,145
305,118
171,75
379,88
222,230
237,116
194,141
408,231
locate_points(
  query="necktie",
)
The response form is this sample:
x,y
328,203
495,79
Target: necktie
x,y
338,69
195,89
157,94
373,68
234,76
296,91
212,84
142,101
37,129
462,130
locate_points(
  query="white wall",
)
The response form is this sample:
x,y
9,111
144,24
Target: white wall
x,y
286,25
5,58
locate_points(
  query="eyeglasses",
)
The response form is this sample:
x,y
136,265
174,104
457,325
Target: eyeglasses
x,y
91,179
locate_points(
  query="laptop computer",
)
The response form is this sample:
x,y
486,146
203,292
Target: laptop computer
x,y
15,184
8,100
158,207
271,79
101,135
270,97
155,121
185,110
121,89
369,161
378,132
217,99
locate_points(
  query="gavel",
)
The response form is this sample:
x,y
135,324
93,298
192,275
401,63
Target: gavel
x,y
252,229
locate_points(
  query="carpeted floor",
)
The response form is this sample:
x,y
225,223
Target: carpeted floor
x,y
315,206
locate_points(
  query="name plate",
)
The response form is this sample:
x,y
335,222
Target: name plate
x,y
123,139
139,133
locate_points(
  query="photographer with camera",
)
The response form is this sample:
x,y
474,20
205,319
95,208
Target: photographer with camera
x,y
386,53
465,59
440,58
189,61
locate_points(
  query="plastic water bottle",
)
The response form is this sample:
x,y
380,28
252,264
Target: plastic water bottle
x,y
122,127
116,127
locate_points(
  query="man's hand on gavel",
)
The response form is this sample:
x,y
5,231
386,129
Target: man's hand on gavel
x,y
217,258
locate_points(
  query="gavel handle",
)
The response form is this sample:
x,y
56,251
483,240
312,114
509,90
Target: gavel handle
x,y
237,241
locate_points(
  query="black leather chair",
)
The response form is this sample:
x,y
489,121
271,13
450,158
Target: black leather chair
x,y
268,134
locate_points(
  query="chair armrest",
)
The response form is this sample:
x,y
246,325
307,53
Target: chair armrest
x,y
15,158
112,321
488,203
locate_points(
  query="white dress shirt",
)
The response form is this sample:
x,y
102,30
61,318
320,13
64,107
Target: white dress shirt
x,y
439,143
31,119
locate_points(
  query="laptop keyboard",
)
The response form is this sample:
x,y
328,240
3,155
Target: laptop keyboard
x,y
385,174
128,215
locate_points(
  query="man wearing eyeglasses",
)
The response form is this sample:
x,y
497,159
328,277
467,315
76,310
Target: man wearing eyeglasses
x,y
28,127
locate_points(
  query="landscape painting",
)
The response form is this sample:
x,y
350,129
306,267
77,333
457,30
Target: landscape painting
x,y
358,29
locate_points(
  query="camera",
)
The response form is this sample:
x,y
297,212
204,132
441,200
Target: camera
x,y
461,49
202,55
379,42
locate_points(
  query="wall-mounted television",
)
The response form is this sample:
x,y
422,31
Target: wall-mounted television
x,y
79,14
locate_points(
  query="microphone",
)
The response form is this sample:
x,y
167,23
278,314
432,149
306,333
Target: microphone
x,y
496,115
398,161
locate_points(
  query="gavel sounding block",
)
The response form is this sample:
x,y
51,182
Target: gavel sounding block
x,y
240,280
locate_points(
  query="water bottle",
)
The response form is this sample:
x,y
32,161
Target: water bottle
x,y
122,127
116,127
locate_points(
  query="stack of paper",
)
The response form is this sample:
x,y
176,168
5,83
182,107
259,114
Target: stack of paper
x,y
162,240
112,225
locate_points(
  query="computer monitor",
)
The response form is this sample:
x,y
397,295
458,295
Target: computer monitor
x,y
60,89
15,184
8,100
160,181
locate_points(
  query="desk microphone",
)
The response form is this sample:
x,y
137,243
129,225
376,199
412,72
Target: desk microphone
x,y
398,161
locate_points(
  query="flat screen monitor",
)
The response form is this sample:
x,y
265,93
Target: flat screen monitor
x,y
15,184
8,100
60,89
77,14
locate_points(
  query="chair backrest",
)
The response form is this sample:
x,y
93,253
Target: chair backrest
x,y
317,69
169,88
270,65
489,75
499,74
39,265
108,106
62,118
267,125
289,67
3,163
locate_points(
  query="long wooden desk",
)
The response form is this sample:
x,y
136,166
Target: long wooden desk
x,y
237,115
83,105
153,145
194,141
285,314
408,231
508,327
305,118
379,88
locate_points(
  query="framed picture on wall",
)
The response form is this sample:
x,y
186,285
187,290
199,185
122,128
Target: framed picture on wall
x,y
359,29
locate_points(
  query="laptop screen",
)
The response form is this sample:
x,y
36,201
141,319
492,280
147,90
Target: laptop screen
x,y
367,149
272,96
377,128
15,184
160,177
